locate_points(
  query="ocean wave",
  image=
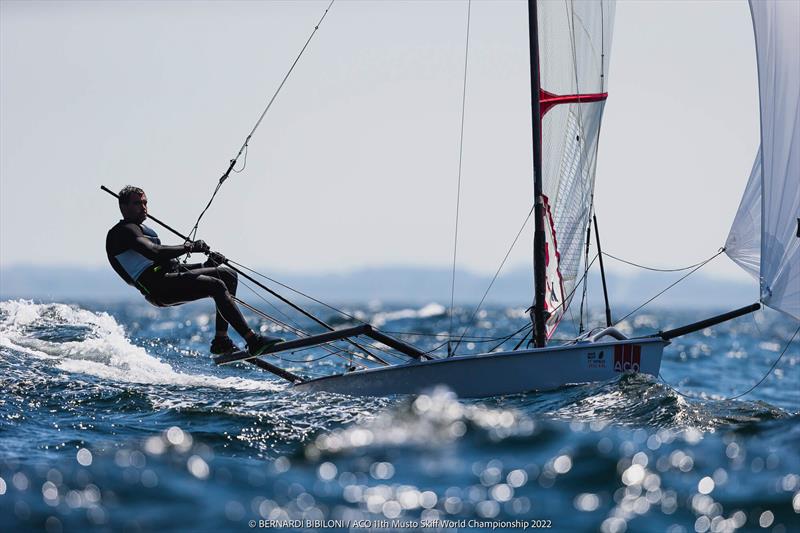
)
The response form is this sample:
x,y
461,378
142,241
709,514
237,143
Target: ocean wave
x,y
97,345
643,401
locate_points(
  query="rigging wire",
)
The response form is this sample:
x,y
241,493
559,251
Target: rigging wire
x,y
571,316
458,189
344,313
296,291
494,278
298,331
477,339
298,308
751,389
473,338
288,326
577,285
193,233
584,281
530,325
697,267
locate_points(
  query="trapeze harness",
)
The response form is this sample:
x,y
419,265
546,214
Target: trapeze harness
x,y
132,261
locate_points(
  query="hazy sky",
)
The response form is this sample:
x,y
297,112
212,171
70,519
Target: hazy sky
x,y
356,163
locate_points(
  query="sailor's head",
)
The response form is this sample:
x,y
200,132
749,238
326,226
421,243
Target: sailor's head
x,y
133,204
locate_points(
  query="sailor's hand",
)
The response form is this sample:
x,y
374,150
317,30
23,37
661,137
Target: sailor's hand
x,y
198,246
216,258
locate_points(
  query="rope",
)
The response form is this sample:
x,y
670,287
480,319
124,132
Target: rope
x,y
436,347
314,360
458,190
697,267
506,338
516,347
193,233
244,163
658,269
751,389
503,262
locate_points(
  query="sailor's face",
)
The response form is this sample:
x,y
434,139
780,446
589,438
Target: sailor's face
x,y
136,208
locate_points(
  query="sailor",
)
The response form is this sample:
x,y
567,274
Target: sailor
x,y
137,255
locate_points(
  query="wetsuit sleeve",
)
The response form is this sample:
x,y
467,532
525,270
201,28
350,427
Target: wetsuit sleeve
x,y
137,241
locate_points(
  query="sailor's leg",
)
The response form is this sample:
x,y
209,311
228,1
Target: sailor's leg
x,y
188,286
230,279
228,312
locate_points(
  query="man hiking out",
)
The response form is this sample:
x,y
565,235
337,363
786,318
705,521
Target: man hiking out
x,y
137,255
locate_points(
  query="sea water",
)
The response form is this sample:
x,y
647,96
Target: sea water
x,y
113,418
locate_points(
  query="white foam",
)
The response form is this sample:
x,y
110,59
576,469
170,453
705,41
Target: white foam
x,y
105,353
427,311
432,309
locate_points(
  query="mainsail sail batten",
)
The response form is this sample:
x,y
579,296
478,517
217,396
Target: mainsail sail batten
x,y
575,43
764,237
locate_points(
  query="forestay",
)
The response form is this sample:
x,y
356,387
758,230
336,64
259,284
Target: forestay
x,y
765,237
575,45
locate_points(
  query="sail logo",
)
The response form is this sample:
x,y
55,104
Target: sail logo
x,y
627,357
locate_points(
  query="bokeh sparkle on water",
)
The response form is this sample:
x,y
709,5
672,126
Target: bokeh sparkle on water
x,y
115,419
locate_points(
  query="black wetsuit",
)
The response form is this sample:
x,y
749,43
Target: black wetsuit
x,y
137,255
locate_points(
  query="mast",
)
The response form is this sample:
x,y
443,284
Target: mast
x,y
539,317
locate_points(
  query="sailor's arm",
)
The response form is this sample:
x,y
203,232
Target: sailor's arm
x,y
159,252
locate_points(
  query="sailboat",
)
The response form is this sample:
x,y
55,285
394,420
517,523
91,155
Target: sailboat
x,y
570,45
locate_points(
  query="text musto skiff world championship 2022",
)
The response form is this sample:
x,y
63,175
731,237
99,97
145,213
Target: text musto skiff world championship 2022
x,y
395,524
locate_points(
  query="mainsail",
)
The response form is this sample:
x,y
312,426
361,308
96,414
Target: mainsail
x,y
765,237
574,48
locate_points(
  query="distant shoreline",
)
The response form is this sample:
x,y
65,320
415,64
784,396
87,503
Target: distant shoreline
x,y
407,285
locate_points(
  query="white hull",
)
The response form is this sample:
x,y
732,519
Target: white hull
x,y
494,374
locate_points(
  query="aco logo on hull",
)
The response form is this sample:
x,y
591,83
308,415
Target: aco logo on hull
x,y
627,357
